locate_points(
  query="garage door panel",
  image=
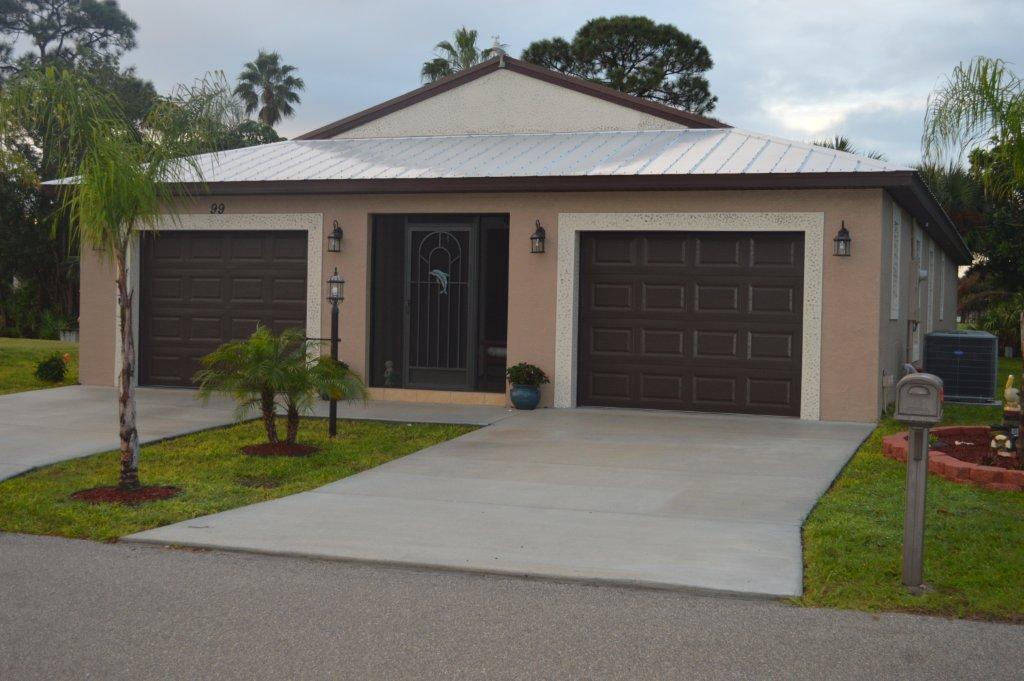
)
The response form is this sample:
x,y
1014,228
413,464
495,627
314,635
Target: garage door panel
x,y
662,343
717,251
701,321
663,297
664,251
772,299
716,298
612,296
202,289
773,251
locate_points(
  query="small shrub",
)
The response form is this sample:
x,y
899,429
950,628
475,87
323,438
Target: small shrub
x,y
52,368
526,374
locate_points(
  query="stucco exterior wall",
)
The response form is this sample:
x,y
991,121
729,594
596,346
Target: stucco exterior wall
x,y
97,330
913,296
508,102
851,290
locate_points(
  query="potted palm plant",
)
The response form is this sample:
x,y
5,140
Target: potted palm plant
x,y
526,380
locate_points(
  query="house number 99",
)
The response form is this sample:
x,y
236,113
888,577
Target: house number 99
x,y
216,208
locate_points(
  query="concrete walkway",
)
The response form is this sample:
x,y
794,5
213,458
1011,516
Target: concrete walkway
x,y
694,501
41,427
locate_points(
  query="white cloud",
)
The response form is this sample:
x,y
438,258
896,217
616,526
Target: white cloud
x,y
810,116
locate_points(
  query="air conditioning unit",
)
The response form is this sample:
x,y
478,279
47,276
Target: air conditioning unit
x,y
967,363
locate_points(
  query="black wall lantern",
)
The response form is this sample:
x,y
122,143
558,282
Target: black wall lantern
x,y
537,239
842,242
334,239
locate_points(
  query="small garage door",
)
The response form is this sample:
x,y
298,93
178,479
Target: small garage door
x,y
694,321
201,289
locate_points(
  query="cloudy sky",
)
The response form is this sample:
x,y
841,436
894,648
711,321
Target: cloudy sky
x,y
801,69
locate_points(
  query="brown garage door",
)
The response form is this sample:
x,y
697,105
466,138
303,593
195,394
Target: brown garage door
x,y
200,289
696,321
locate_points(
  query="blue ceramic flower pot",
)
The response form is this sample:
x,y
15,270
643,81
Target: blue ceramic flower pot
x,y
525,396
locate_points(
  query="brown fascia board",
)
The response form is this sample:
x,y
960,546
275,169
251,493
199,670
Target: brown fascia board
x,y
905,185
673,114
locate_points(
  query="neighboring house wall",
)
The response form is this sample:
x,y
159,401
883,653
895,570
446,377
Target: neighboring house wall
x,y
851,288
914,294
506,102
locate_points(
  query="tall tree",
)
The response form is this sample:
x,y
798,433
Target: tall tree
x,y
122,180
457,54
843,143
67,30
270,87
88,36
634,55
981,105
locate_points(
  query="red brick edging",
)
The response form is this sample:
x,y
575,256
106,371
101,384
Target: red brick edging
x,y
990,477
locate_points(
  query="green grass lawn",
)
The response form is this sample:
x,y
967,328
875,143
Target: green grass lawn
x,y
213,474
18,359
974,543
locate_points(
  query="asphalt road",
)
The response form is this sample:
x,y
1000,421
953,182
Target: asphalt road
x,y
72,609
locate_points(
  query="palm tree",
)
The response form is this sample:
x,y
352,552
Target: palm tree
x,y
310,376
843,143
120,179
267,85
981,105
251,372
269,370
459,54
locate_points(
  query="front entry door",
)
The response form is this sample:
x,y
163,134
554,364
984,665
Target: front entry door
x,y
440,306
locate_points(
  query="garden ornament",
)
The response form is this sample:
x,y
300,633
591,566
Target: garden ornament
x,y
1011,394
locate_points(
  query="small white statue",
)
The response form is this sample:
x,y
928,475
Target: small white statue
x,y
1011,395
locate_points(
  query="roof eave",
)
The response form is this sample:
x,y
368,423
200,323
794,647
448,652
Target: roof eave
x,y
905,185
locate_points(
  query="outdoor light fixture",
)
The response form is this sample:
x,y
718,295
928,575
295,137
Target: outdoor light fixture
x,y
335,294
842,241
537,239
335,288
334,239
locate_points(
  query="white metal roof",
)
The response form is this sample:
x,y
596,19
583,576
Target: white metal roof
x,y
648,152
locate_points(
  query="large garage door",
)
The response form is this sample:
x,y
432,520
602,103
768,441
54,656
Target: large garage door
x,y
696,321
200,289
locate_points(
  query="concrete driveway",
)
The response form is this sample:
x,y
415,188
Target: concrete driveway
x,y
694,501
41,427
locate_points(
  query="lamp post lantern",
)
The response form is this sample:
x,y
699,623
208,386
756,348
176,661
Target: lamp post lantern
x,y
335,294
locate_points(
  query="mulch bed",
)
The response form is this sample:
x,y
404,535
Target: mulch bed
x,y
279,449
962,454
974,449
131,497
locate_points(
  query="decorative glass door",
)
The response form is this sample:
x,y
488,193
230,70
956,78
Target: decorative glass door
x,y
440,306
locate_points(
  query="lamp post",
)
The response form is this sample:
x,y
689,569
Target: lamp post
x,y
335,294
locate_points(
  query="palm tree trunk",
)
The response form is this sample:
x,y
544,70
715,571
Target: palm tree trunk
x,y
293,424
129,434
267,407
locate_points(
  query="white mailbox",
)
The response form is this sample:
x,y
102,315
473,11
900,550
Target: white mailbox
x,y
919,400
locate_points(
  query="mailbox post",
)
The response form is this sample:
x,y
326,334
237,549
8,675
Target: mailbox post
x,y
919,405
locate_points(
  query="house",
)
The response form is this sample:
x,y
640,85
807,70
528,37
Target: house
x,y
685,264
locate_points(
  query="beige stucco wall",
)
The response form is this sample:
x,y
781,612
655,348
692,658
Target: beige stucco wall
x,y
508,102
96,320
851,292
913,293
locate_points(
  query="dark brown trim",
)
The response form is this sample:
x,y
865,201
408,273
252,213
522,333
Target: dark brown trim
x,y
586,87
